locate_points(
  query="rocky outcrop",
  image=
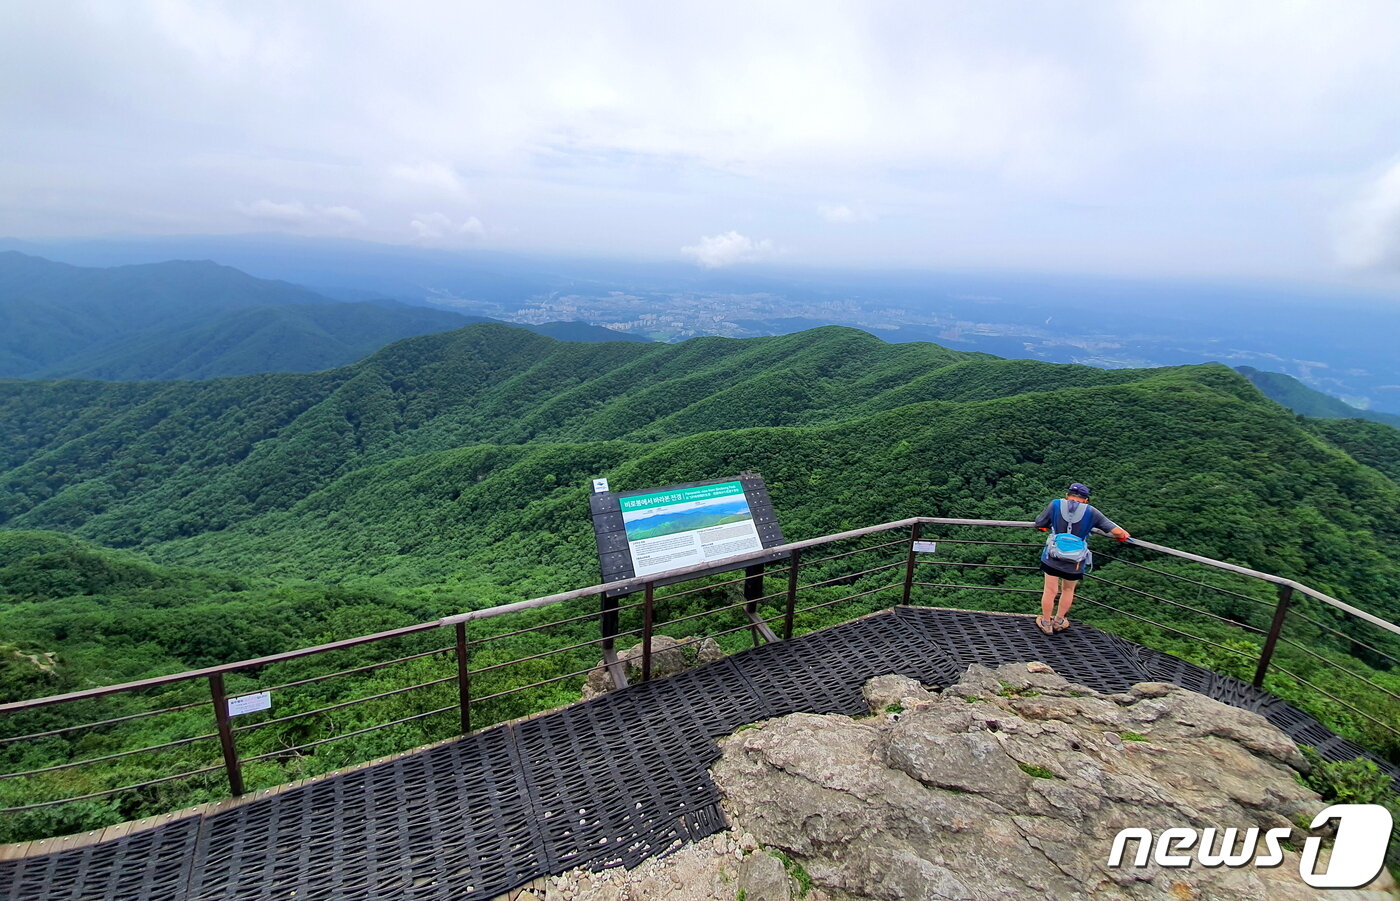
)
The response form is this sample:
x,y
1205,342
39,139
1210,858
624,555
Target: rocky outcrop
x,y
1013,783
668,657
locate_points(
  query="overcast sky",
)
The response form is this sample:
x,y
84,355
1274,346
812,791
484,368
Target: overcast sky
x,y
1217,138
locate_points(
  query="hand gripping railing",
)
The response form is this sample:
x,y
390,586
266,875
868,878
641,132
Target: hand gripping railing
x,y
479,663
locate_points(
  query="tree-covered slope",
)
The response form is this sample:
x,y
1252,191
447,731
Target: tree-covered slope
x,y
1372,443
582,331
52,311
1305,401
198,320
1240,482
126,463
141,464
101,616
300,338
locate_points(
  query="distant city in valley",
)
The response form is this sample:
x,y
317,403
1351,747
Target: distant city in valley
x,y
1325,345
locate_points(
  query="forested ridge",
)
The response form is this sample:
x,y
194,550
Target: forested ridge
x,y
197,320
153,527
491,434
1299,398
53,312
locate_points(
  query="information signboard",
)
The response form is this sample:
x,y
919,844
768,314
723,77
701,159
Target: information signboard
x,y
653,531
682,527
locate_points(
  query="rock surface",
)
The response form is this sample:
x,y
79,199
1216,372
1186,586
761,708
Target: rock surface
x,y
668,657
721,866
1013,783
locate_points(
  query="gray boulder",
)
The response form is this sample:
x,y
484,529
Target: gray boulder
x,y
669,656
1013,783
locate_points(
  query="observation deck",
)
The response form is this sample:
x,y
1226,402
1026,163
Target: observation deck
x,y
614,780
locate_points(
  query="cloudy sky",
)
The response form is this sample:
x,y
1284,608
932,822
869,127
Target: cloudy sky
x,y
1217,138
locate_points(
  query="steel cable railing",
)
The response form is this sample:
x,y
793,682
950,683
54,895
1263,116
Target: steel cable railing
x,y
502,669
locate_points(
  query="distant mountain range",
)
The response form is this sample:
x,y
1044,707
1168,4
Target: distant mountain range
x,y
197,320
1305,401
1334,339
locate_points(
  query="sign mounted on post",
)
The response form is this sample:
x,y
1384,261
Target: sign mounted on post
x,y
250,703
651,532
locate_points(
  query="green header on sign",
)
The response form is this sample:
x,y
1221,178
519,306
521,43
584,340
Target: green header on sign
x,y
681,496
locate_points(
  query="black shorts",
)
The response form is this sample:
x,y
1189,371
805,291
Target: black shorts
x,y
1059,574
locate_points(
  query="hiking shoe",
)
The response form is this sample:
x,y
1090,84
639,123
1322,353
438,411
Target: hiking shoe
x,y
1045,625
1061,623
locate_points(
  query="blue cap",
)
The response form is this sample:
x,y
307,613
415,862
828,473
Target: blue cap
x,y
1078,488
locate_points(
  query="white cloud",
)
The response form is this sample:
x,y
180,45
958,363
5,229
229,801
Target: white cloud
x,y
297,214
1369,228
437,227
1172,135
843,213
727,249
433,176
346,214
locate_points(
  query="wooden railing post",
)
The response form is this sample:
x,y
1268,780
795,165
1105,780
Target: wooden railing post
x,y
1285,594
608,621
464,677
646,631
220,697
794,562
608,627
753,590
909,563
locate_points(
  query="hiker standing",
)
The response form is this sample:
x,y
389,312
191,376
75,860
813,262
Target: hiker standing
x,y
1066,557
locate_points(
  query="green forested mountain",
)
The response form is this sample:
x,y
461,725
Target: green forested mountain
x,y
579,331
1305,401
449,471
848,425
449,453
1371,443
50,311
197,320
291,338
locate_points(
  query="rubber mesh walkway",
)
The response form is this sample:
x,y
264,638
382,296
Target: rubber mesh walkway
x,y
607,782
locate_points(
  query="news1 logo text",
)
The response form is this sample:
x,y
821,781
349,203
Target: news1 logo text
x,y
1358,852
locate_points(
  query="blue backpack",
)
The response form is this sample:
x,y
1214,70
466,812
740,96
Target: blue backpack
x,y
1063,544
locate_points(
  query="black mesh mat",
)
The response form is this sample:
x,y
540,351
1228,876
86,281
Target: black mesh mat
x,y
150,864
1082,654
625,777
1166,668
608,782
822,672
453,822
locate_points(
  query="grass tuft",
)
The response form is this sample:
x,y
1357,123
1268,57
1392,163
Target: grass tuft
x,y
1038,772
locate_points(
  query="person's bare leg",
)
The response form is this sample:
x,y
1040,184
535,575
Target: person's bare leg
x,y
1066,599
1047,596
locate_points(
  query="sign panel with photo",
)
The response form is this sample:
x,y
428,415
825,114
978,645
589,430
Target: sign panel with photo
x,y
670,529
650,532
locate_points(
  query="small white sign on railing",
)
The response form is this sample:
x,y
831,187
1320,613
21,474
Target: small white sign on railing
x,y
250,703
925,547
600,486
